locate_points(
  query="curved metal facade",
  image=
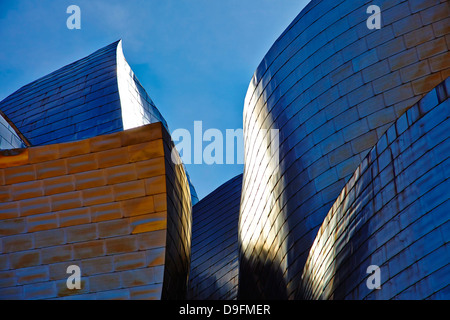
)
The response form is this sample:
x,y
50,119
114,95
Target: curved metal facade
x,y
9,137
81,100
214,258
113,205
331,87
394,213
96,188
96,95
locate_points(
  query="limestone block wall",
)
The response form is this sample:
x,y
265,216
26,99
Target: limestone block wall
x,y
99,203
394,213
331,87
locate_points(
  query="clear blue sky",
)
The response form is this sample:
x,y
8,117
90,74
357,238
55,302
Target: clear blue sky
x,y
195,58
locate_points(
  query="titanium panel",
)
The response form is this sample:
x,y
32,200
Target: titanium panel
x,y
393,213
331,87
214,259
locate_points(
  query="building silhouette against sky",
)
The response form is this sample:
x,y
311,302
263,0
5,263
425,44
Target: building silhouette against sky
x,y
94,186
358,182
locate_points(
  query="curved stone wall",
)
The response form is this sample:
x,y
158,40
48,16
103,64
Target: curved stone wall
x,y
394,213
331,87
214,259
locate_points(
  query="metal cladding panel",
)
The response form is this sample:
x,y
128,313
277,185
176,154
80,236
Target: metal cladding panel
x,y
78,101
214,258
9,139
393,213
179,228
95,95
331,87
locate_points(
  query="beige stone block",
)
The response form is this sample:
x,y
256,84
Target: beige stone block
x,y
34,206
19,174
129,190
82,163
146,150
89,249
155,185
142,134
121,245
51,169
90,179
97,195
71,149
66,201
122,173
60,184
149,222
42,222
150,168
24,259
20,242
73,217
108,211
113,157
43,153
138,206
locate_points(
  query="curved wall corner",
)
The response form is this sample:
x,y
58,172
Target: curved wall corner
x,y
214,259
394,213
331,87
137,107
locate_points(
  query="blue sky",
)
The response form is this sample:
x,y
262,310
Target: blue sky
x,y
195,58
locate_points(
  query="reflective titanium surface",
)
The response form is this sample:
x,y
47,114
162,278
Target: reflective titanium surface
x,y
332,87
9,138
393,213
214,259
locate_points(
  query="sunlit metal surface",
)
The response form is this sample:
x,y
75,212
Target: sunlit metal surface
x,y
84,108
137,107
332,87
393,213
96,95
81,100
114,205
9,138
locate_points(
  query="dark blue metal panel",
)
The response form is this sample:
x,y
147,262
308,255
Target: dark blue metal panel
x,y
214,254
